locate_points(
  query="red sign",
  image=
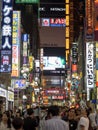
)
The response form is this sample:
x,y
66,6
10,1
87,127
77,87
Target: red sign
x,y
57,21
58,97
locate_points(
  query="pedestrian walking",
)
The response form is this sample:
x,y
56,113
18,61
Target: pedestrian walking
x,y
5,123
55,122
72,119
30,122
17,123
92,118
83,123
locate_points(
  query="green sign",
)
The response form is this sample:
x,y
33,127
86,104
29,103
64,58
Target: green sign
x,y
27,1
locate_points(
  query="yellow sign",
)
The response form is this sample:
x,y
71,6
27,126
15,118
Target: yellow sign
x,y
30,62
10,96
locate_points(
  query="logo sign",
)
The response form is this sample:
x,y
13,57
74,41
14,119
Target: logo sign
x,y
6,27
89,65
57,22
45,22
53,22
27,1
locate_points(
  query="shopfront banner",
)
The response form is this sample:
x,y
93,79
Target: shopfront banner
x,y
10,96
3,92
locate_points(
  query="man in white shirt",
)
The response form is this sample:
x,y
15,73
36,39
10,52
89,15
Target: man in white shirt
x,y
92,117
83,123
55,122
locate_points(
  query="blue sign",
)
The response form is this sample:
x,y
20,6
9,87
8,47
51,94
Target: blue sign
x,y
20,84
94,101
6,28
25,37
7,25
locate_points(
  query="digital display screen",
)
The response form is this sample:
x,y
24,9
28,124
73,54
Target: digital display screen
x,y
52,63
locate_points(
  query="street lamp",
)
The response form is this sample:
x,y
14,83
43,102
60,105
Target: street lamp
x,y
25,72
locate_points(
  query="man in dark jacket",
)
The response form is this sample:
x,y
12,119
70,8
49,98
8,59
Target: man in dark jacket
x,y
30,122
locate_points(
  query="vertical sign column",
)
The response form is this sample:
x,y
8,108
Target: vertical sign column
x,y
89,38
96,20
0,31
16,45
89,20
6,27
97,72
89,66
67,30
25,48
96,39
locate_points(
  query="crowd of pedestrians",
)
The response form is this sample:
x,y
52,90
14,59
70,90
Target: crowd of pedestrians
x,y
50,118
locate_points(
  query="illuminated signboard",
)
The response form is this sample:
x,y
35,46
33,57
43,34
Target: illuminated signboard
x,y
67,30
41,58
15,52
96,15
89,65
3,92
96,64
46,22
27,1
20,83
30,62
57,22
16,44
53,22
5,61
52,10
52,62
96,55
25,46
89,20
6,27
10,96
58,97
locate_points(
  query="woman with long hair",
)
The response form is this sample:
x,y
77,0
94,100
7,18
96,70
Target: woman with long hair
x,y
5,123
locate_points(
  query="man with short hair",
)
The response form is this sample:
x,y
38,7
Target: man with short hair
x,y
55,122
30,122
17,123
